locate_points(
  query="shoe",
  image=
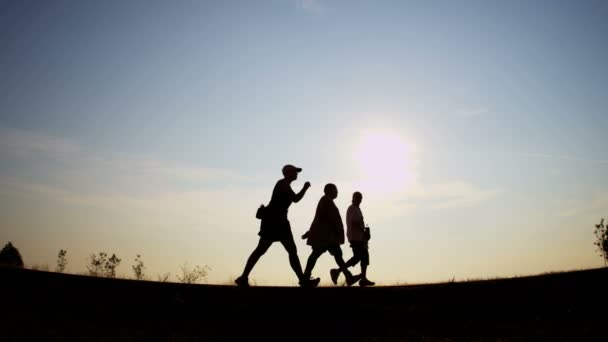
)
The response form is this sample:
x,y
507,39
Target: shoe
x,y
312,282
350,280
242,281
334,274
366,282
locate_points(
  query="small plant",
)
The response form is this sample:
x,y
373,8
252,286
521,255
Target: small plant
x,y
601,240
192,276
96,263
111,265
163,278
102,266
138,268
62,261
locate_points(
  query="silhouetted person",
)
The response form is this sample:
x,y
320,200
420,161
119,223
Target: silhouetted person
x,y
358,238
326,233
275,227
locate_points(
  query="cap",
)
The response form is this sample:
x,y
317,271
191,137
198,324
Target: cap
x,y
290,168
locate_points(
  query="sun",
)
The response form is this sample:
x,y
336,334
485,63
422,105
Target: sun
x,y
384,161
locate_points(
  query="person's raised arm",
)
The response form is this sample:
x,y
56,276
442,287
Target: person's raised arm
x,y
300,194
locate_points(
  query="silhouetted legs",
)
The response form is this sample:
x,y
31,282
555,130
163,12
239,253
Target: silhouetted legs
x,y
360,254
294,261
262,247
312,260
337,253
363,271
354,261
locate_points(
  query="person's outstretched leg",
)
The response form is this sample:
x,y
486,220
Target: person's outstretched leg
x,y
337,253
341,264
335,273
312,260
262,247
294,261
353,261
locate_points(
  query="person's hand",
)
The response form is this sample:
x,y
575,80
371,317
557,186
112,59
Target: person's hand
x,y
306,185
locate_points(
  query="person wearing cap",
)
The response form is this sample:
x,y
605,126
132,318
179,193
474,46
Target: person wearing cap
x,y
355,231
275,227
326,234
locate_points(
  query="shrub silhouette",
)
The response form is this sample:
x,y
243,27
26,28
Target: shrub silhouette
x,y
10,256
110,266
139,268
192,276
62,261
601,240
163,278
102,266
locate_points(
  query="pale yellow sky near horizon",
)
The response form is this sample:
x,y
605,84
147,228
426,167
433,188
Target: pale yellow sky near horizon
x,y
216,227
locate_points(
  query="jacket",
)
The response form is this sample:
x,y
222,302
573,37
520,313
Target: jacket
x,y
326,228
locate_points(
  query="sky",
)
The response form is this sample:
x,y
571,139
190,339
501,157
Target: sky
x,y
476,131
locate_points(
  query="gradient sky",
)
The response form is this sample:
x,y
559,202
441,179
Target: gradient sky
x,y
476,131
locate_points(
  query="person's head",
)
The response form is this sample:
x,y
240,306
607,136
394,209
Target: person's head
x,y
331,191
357,198
290,172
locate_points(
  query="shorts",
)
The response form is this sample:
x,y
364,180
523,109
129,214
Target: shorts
x,y
275,229
334,250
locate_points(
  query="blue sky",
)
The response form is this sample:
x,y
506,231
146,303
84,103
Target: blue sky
x,y
157,127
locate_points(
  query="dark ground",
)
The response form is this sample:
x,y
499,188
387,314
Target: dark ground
x,y
45,306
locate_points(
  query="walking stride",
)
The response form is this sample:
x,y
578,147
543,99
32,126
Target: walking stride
x,y
358,235
275,227
326,234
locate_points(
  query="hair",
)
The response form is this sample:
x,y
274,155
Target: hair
x,y
328,187
357,194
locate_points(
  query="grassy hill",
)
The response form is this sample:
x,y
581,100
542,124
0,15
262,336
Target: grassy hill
x,y
49,306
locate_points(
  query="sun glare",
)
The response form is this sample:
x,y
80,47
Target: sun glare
x,y
384,161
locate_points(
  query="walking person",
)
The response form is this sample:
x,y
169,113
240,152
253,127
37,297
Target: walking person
x,y
326,234
358,236
275,227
